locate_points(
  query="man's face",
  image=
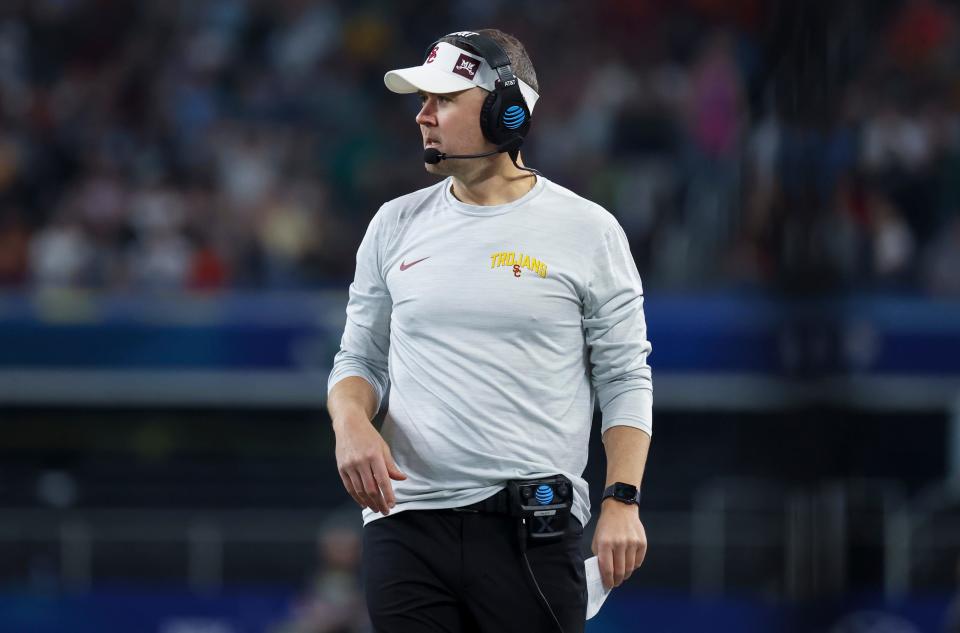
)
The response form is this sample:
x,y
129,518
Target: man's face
x,y
451,123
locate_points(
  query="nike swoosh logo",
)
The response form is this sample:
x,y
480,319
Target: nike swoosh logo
x,y
404,265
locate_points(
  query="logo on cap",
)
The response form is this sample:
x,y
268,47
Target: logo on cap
x,y
466,66
432,56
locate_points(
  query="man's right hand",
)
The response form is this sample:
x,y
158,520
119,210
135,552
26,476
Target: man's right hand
x,y
366,465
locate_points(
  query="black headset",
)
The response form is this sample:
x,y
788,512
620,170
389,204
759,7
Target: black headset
x,y
504,117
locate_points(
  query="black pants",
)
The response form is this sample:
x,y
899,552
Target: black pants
x,y
444,571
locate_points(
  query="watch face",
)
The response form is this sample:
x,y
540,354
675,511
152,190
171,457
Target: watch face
x,y
625,492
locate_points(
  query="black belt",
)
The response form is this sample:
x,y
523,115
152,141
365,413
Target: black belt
x,y
497,504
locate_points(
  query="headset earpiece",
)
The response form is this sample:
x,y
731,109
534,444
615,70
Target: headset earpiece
x,y
504,115
502,119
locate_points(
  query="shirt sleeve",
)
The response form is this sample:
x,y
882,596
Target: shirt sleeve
x,y
616,335
365,346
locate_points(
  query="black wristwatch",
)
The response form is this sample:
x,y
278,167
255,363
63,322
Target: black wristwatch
x,y
624,493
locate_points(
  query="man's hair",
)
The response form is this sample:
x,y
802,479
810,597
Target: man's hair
x,y
519,60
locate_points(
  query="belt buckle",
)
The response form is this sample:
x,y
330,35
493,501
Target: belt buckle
x,y
465,509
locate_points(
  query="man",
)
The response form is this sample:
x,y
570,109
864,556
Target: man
x,y
498,306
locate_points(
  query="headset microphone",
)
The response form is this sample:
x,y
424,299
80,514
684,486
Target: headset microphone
x,y
432,155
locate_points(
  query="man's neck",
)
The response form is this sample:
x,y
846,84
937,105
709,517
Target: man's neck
x,y
500,182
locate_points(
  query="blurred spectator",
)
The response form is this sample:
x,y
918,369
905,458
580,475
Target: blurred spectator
x,y
893,244
920,32
160,260
895,140
208,270
715,113
61,254
14,246
334,602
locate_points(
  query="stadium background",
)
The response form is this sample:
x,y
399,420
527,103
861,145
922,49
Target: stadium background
x,y
183,186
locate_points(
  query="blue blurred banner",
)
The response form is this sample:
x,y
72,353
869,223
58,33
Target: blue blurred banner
x,y
159,611
263,611
55,344
228,332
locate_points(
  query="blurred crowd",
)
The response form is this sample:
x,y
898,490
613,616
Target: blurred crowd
x,y
165,144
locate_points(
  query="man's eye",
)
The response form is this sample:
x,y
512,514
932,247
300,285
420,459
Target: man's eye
x,y
440,98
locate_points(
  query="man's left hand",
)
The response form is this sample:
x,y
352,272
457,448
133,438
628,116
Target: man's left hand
x,y
620,542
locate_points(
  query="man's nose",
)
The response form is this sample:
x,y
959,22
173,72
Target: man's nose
x,y
427,114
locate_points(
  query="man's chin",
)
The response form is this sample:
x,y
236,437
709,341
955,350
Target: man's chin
x,y
439,168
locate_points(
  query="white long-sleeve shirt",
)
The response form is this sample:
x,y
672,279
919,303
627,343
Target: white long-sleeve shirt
x,y
496,328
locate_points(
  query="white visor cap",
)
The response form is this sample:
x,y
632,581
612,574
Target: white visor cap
x,y
451,69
